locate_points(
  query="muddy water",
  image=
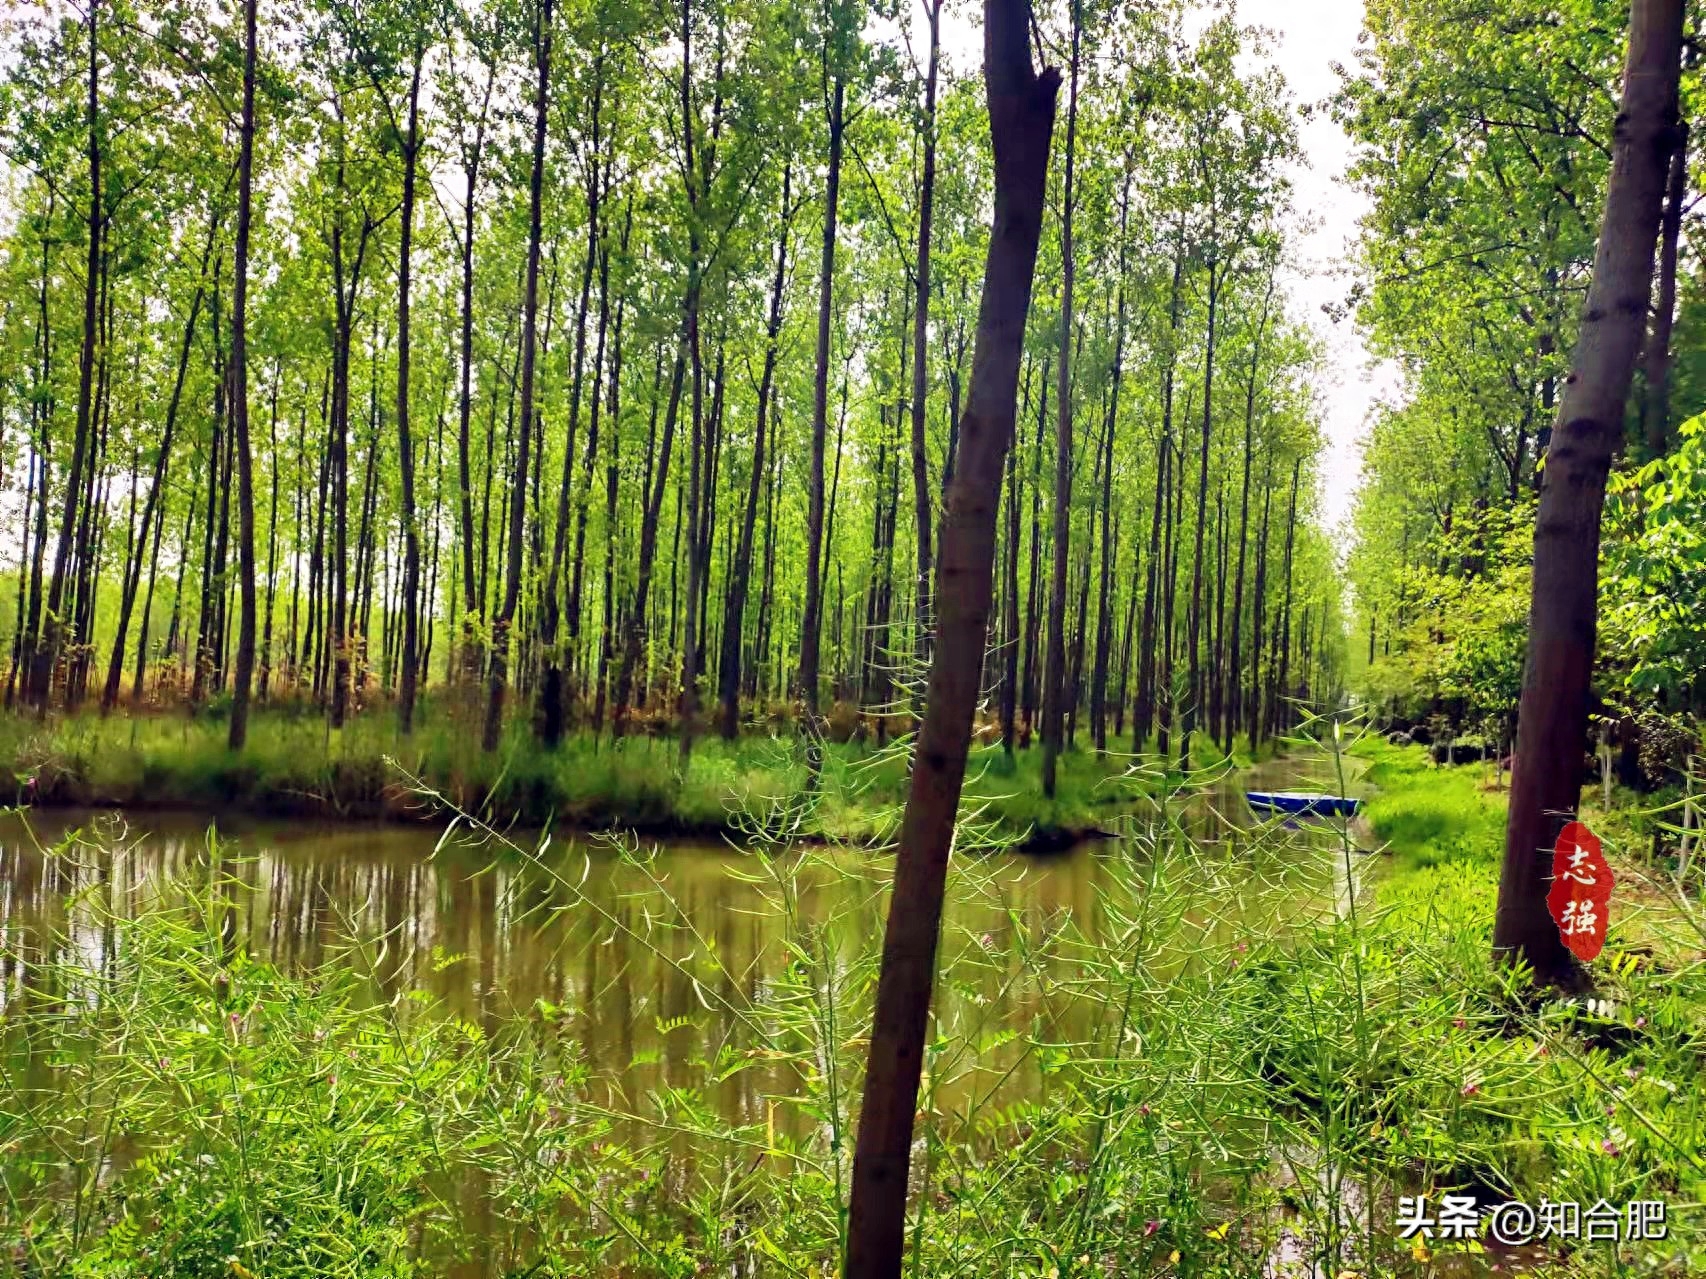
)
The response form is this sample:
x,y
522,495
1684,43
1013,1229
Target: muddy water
x,y
491,934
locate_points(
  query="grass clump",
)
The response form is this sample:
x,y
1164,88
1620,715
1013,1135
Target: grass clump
x,y
1431,815
295,766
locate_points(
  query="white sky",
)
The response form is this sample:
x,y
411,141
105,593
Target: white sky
x,y
1309,37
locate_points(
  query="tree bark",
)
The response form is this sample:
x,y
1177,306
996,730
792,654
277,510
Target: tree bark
x,y
735,596
1021,115
499,675
1552,719
811,615
47,651
239,723
409,660
1237,672
1655,359
1054,661
922,510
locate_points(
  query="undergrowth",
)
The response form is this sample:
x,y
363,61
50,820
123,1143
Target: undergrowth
x,y
1218,1067
295,766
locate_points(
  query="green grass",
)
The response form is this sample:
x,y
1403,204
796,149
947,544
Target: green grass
x,y
174,1108
1431,815
295,766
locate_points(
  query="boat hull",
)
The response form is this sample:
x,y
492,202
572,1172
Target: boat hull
x,y
1296,804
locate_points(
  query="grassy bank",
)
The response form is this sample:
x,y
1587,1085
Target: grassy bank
x,y
1199,1101
294,766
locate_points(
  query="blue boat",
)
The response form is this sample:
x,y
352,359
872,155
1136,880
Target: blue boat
x,y
1300,804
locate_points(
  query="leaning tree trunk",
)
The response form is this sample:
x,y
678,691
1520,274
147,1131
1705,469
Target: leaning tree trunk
x,y
1552,719
1021,120
239,728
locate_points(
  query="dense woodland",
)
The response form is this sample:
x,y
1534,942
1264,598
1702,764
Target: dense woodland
x,y
1485,144
609,359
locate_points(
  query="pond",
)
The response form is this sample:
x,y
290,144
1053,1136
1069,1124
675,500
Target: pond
x,y
606,930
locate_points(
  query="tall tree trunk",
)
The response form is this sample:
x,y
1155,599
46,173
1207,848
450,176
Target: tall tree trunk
x,y
1032,681
47,652
1281,711
1236,674
735,595
650,517
1104,601
1054,663
472,584
1552,719
272,536
499,675
1655,358
152,511
1010,637
552,694
922,511
409,658
811,616
1021,116
1194,640
239,724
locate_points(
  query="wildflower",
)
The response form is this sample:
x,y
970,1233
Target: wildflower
x,y
1461,1023
1150,1227
1143,1110
1610,1147
1640,1023
1470,1089
1173,1256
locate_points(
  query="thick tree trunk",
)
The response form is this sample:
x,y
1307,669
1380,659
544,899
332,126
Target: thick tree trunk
x,y
1552,720
1021,114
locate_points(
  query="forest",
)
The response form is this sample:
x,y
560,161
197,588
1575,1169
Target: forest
x,y
501,787
593,361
